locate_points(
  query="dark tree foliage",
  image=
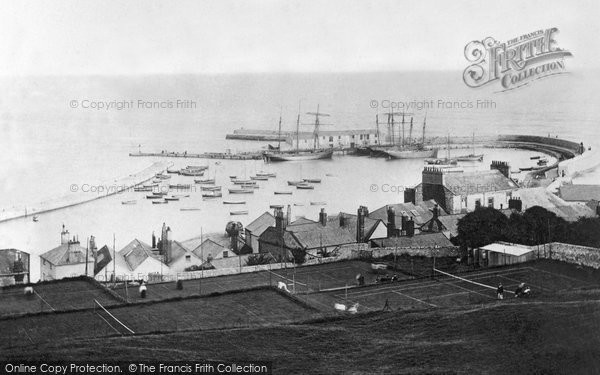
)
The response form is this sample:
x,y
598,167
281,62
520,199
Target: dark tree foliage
x,y
535,226
482,226
258,259
299,255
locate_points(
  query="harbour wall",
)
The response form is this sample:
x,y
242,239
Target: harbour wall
x,y
113,187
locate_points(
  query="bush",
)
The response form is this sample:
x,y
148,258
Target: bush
x,y
258,259
179,285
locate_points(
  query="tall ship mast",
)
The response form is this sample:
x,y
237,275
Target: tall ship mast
x,y
297,154
416,151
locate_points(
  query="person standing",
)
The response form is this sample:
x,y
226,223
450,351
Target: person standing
x,y
500,291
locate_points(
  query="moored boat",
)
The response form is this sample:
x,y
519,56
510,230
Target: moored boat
x,y
266,174
294,183
171,198
304,186
213,194
160,202
207,181
239,212
153,196
210,188
259,178
312,180
318,203
242,182
189,209
129,202
241,191
180,186
281,192
234,202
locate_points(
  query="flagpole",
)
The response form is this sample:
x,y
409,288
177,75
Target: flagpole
x,y
87,245
114,263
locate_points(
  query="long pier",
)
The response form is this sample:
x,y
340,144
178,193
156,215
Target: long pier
x,y
205,155
79,196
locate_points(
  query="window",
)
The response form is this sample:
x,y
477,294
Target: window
x,y
225,254
477,203
188,258
339,137
331,139
491,202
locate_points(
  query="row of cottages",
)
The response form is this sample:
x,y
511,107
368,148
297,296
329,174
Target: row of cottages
x,y
336,138
328,236
139,260
457,191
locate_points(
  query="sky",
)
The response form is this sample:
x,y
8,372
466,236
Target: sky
x,y
245,36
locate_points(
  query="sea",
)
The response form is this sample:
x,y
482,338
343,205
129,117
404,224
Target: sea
x,y
61,132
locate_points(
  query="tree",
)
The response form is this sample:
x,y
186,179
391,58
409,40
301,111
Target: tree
x,y
481,227
258,259
299,255
585,232
544,226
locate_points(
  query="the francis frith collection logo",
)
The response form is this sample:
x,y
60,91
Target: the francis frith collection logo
x,y
514,63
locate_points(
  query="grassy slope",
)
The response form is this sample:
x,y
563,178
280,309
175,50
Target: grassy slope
x,y
551,337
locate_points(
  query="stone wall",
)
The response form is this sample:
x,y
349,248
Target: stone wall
x,y
574,254
449,251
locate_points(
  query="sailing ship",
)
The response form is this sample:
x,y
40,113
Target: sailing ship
x,y
472,156
411,151
300,155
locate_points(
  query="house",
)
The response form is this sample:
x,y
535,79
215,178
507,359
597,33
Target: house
x,y
579,193
214,246
407,218
256,228
335,138
457,191
423,240
69,259
14,267
141,261
317,238
502,253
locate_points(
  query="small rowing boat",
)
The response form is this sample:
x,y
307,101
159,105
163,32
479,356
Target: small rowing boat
x,y
208,181
318,203
189,209
250,186
160,202
535,157
238,213
241,191
243,182
181,195
129,202
266,174
171,198
210,188
304,186
312,180
282,193
234,202
294,183
214,194
180,186
259,178
154,196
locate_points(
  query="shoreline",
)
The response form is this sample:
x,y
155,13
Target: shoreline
x,y
80,197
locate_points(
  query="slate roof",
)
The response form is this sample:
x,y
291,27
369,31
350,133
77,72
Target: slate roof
x,y
420,213
71,253
350,221
261,223
419,240
579,193
177,251
478,182
136,252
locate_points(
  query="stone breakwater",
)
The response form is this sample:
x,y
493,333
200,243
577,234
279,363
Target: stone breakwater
x,y
84,195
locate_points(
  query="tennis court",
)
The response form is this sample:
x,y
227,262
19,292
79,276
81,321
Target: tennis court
x,y
448,290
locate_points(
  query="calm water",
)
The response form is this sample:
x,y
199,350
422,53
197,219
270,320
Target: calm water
x,y
48,146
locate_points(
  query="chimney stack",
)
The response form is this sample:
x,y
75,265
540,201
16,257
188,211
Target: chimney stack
x,y
288,217
279,220
436,211
342,219
391,222
323,217
153,240
410,227
64,236
501,166
515,203
360,224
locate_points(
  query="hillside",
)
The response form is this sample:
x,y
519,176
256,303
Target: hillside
x,y
528,337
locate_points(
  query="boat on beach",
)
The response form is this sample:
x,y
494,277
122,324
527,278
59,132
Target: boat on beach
x,y
241,191
207,181
180,186
35,218
535,157
181,195
276,206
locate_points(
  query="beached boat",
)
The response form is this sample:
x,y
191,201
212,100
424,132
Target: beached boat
x,y
298,204
233,177
243,182
239,212
234,202
207,181
160,202
266,174
294,183
305,186
535,157
180,186
259,178
312,180
542,162
213,194
129,202
318,203
241,191
282,192
210,188
157,180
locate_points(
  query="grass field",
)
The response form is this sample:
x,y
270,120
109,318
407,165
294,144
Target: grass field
x,y
61,295
255,307
543,277
516,338
311,278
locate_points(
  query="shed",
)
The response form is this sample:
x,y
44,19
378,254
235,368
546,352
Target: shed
x,y
500,254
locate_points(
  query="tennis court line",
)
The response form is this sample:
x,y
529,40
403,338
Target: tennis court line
x,y
285,278
467,280
413,298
